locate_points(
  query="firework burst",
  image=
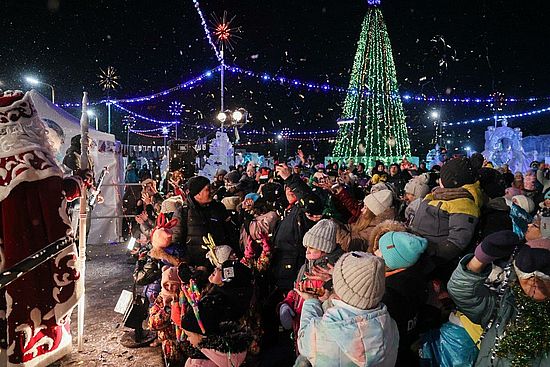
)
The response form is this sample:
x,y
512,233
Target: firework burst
x,y
108,79
224,32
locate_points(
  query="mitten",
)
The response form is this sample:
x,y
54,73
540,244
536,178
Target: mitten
x,y
249,250
496,246
266,247
286,315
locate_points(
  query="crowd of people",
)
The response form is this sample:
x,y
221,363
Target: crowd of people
x,y
333,265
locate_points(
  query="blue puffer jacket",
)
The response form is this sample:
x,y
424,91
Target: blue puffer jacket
x,y
346,336
478,302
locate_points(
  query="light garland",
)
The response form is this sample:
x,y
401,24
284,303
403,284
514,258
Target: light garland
x,y
207,31
492,118
116,105
406,97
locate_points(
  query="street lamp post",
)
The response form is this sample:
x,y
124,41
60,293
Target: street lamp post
x,y
235,119
34,81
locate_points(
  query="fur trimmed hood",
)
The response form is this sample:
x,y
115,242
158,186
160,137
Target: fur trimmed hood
x,y
383,228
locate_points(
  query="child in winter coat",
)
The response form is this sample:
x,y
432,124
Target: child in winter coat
x,y
321,250
221,335
358,329
160,316
406,287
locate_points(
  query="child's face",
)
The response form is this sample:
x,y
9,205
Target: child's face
x,y
216,277
537,289
193,338
314,254
171,287
409,197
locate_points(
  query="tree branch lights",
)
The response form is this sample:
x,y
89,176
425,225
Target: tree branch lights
x,y
207,31
374,123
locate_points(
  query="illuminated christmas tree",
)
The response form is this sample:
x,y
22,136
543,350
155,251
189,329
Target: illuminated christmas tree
x,y
373,121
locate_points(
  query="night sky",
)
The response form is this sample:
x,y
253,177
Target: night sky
x,y
154,45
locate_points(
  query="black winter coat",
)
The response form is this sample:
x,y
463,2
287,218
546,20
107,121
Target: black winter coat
x,y
198,221
406,293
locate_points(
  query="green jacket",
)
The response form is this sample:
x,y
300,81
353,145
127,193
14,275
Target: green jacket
x,y
478,302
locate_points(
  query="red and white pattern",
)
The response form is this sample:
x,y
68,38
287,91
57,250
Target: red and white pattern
x,y
34,310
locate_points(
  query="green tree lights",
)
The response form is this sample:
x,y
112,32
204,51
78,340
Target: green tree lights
x,y
373,124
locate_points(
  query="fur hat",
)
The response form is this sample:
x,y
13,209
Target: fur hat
x,y
171,204
383,228
322,236
379,202
456,173
525,203
231,202
358,279
417,187
196,184
401,249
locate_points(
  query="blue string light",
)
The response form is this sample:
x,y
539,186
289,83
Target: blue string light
x,y
492,118
207,31
185,85
406,97
144,117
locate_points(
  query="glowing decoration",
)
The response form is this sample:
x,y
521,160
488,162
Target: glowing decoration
x,y
108,79
165,131
175,109
221,117
224,32
492,118
116,105
503,145
378,116
237,115
207,31
374,2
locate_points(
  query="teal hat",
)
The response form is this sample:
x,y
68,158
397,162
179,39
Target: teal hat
x,y
401,249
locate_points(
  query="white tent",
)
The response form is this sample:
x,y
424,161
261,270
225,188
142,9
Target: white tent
x,y
105,152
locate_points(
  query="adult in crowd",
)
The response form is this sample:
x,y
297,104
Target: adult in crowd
x,y
516,320
200,217
448,216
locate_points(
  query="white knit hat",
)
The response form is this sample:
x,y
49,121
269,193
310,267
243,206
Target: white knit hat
x,y
322,236
379,202
525,203
358,279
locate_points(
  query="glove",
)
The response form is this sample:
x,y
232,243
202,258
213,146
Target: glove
x,y
286,316
185,273
496,246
